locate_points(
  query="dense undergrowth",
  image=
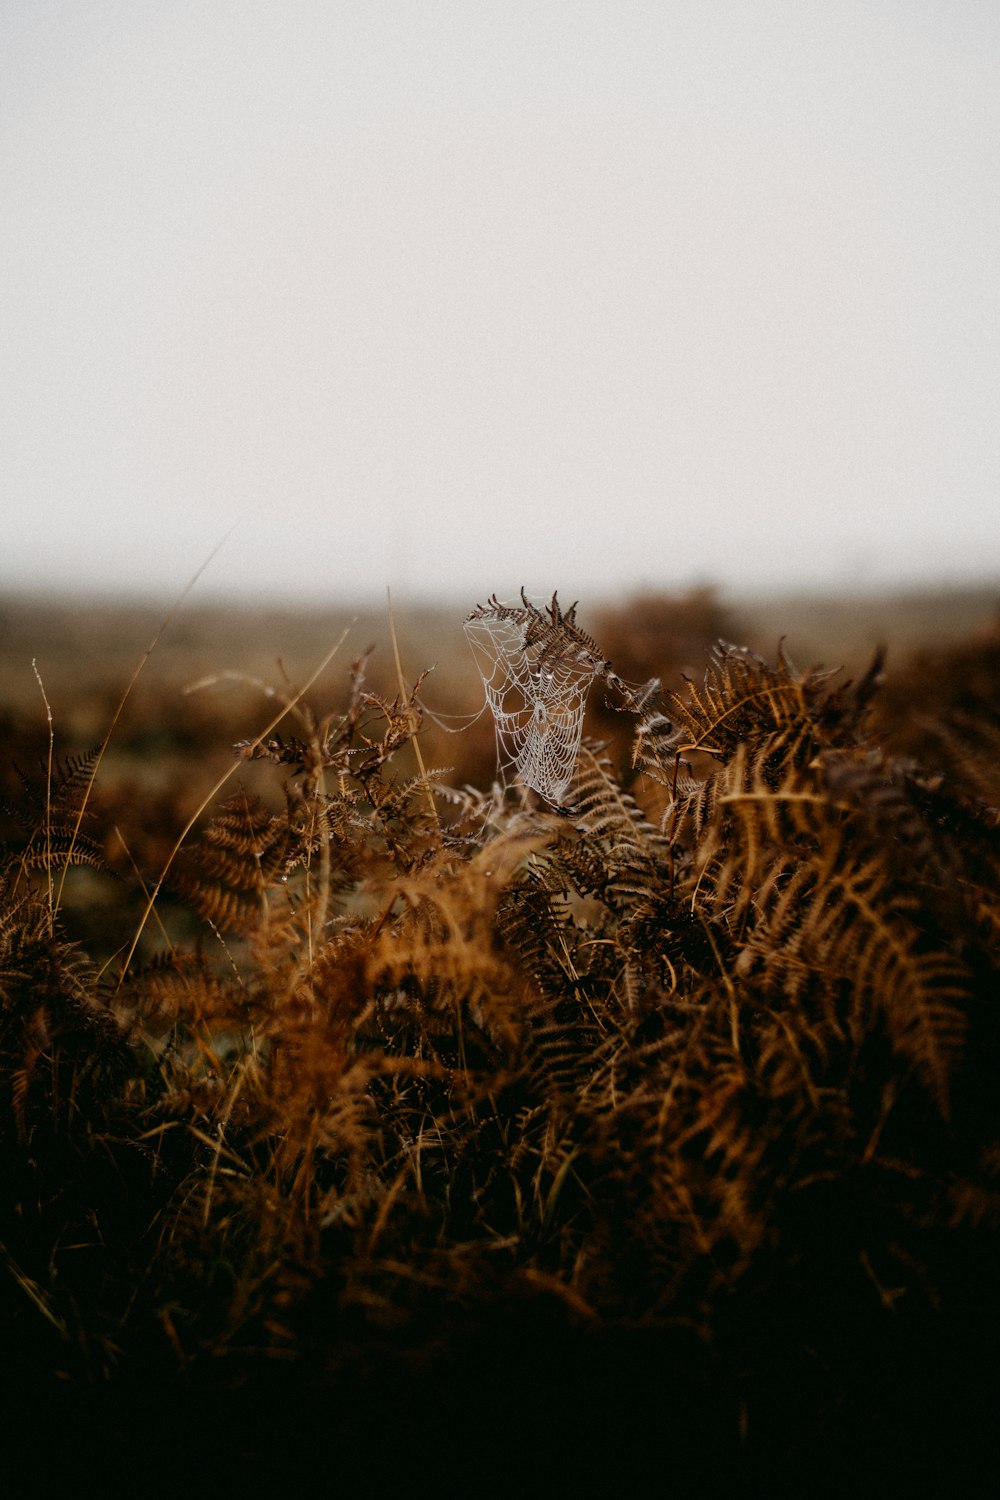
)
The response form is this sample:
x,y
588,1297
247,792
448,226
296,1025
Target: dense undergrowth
x,y
437,1127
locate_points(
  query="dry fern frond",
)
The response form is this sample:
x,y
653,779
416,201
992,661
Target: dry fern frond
x,y
787,843
570,1075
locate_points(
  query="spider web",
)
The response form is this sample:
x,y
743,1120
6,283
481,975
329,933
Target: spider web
x,y
536,669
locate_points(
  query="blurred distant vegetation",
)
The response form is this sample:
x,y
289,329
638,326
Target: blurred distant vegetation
x,y
195,696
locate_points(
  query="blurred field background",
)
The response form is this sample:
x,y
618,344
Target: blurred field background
x,y
86,649
202,686
205,686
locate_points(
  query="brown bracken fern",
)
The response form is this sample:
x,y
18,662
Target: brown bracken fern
x,y
701,1060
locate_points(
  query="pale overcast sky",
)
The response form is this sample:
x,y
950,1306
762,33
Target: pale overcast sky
x,y
459,296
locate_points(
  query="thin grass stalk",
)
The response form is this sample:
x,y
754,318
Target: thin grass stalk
x,y
214,792
88,789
